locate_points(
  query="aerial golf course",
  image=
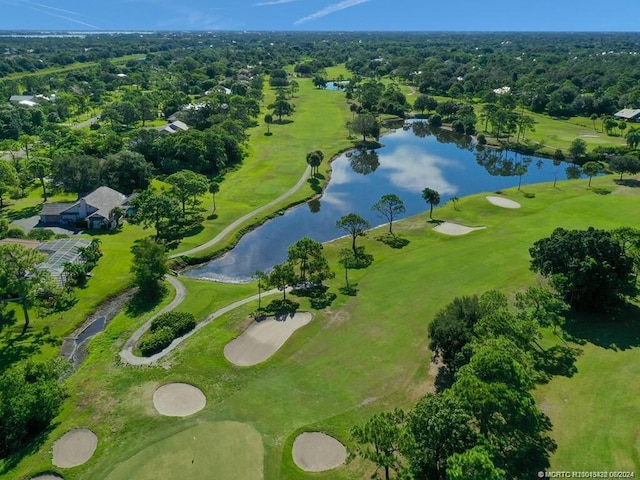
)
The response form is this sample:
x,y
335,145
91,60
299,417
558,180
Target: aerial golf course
x,y
365,353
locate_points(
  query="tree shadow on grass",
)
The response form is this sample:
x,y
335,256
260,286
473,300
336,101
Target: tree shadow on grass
x,y
319,296
10,461
26,212
281,309
628,182
394,241
351,289
444,378
142,302
616,330
557,360
20,347
213,216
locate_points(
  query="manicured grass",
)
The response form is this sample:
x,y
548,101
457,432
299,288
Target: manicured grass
x,y
365,353
275,162
221,450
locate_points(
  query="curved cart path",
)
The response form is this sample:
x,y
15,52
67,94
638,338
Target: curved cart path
x,y
127,355
233,225
127,351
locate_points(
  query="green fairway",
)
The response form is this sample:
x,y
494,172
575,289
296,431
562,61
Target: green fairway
x,y
369,352
221,450
275,162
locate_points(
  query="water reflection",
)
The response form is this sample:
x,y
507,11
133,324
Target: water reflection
x,y
406,164
364,162
411,169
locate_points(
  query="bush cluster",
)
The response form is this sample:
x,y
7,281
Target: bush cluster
x,y
164,330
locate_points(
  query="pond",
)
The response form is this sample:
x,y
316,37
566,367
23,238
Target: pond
x,y
412,158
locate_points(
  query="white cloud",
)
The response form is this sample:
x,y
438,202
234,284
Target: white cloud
x,y
336,7
416,170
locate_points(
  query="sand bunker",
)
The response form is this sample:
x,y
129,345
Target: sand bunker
x,y
263,339
74,448
503,202
455,229
178,400
48,476
316,452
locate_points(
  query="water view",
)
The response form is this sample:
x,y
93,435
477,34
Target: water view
x,y
411,159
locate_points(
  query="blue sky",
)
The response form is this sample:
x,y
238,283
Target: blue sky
x,y
398,15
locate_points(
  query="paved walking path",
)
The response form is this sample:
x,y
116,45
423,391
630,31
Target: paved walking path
x,y
233,225
129,357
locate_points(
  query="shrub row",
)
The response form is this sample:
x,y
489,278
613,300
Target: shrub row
x,y
164,329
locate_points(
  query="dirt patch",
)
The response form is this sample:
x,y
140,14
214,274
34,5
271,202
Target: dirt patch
x,y
74,448
178,400
262,339
317,452
335,317
502,202
455,229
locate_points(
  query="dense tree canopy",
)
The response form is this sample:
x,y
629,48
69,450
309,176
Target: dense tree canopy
x,y
588,267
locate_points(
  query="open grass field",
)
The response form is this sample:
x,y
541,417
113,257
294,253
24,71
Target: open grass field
x,y
365,353
221,450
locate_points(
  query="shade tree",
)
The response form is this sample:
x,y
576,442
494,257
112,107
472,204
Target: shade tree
x,y
40,168
591,168
187,186
379,440
307,255
8,179
149,266
355,226
21,280
281,277
155,209
587,267
389,206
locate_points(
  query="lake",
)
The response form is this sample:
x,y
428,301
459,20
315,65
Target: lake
x,y
412,158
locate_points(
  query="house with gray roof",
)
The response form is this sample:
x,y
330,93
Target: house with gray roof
x,y
93,209
174,127
628,114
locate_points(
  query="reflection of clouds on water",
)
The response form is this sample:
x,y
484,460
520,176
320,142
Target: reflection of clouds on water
x,y
413,170
339,200
341,173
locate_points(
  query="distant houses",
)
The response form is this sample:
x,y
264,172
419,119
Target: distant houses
x,y
29,100
174,127
628,114
93,209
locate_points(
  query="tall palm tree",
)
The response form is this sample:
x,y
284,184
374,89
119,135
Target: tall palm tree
x,y
432,197
214,188
633,138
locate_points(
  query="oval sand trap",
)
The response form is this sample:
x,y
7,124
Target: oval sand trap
x,y
47,476
74,448
316,452
502,202
178,400
455,229
263,339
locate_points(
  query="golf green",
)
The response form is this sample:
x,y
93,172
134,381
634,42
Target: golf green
x,y
220,450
